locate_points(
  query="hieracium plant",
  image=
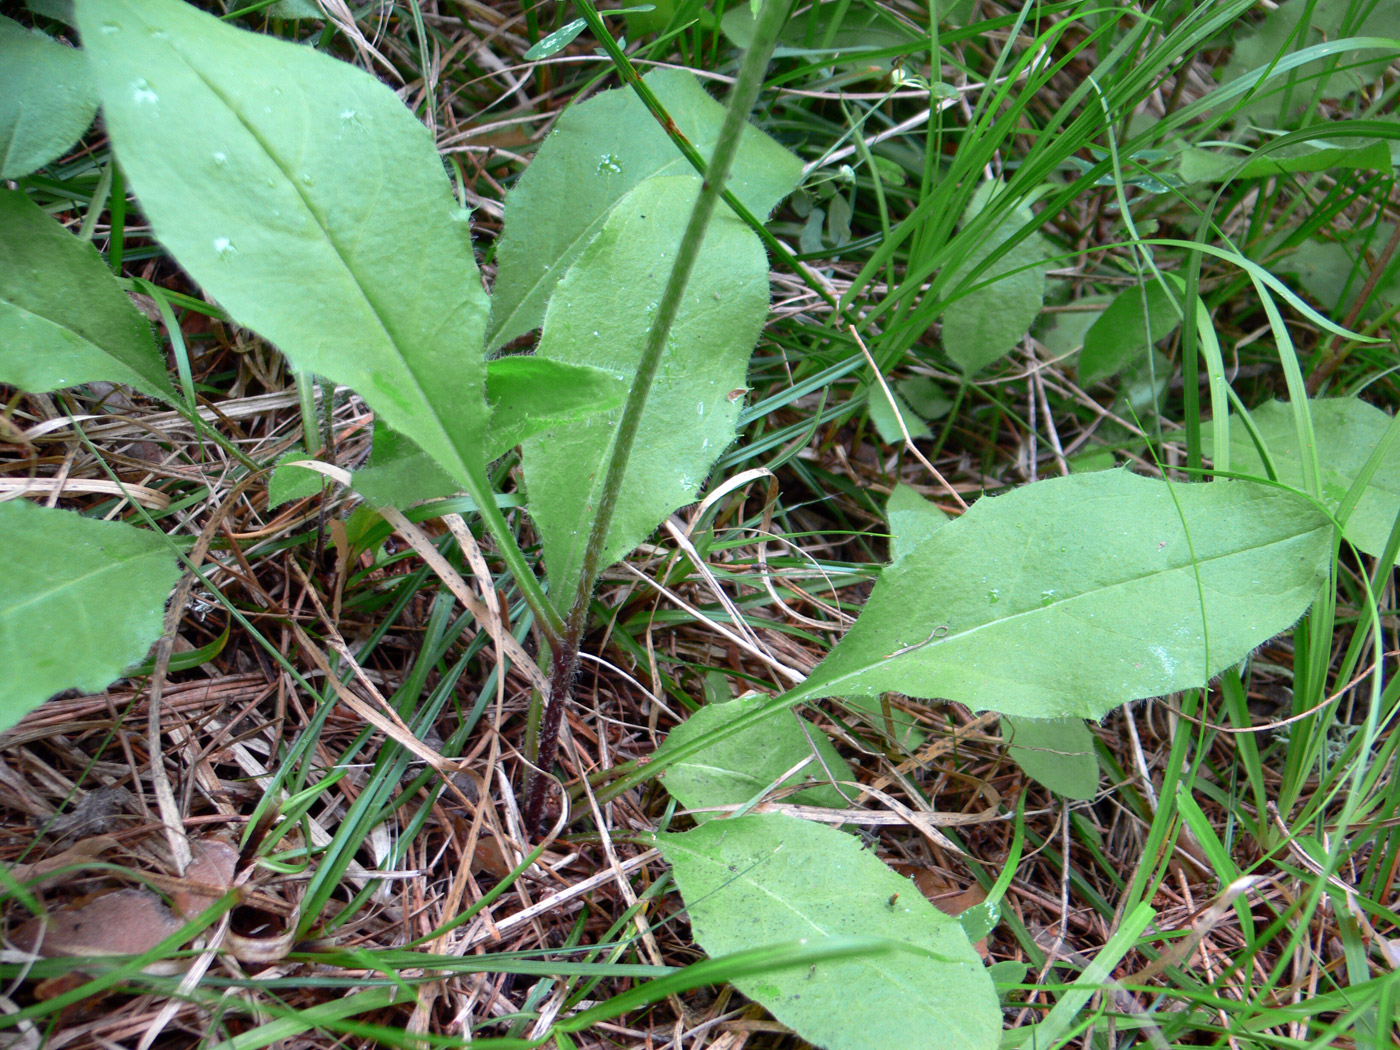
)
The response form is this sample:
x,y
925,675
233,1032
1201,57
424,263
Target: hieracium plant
x,y
306,201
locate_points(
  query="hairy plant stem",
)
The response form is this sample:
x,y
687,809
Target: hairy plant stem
x,y
564,658
776,249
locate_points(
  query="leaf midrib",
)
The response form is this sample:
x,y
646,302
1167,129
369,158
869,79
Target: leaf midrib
x,y
876,963
337,251
961,635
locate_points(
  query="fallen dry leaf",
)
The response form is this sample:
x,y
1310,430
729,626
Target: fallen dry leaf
x,y
123,922
40,874
208,877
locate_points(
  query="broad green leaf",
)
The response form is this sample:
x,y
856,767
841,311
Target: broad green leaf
x,y
526,395
1279,33
835,29
599,316
1347,429
84,600
981,327
1071,596
290,482
46,99
1335,272
63,318
1319,155
596,154
925,396
644,19
739,767
887,410
912,519
766,879
303,196
1136,319
1201,165
399,472
1057,752
1063,331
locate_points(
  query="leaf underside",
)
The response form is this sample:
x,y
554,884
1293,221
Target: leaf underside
x,y
1071,596
84,600
759,880
600,315
1346,430
738,768
304,198
64,319
46,99
598,152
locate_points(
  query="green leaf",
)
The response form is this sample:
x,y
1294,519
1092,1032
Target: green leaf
x,y
1202,165
599,151
84,600
1063,331
527,395
600,316
1057,752
399,472
834,28
1346,430
1136,319
46,99
556,41
737,768
303,196
983,326
63,318
886,411
766,879
925,396
288,482
912,519
1280,33
1319,155
1071,596
1334,272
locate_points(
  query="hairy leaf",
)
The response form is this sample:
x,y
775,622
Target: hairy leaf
x,y
1282,31
527,394
1058,752
303,196
63,318
1071,596
1136,319
737,768
84,599
46,99
598,152
912,519
289,482
766,879
982,326
600,316
1346,429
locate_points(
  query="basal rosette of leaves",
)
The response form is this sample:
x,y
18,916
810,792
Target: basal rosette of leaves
x,y
305,199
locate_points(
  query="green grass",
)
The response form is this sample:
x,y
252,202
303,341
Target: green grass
x,y
1280,773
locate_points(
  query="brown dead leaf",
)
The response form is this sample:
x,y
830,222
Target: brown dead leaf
x,y
208,877
123,922
40,874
